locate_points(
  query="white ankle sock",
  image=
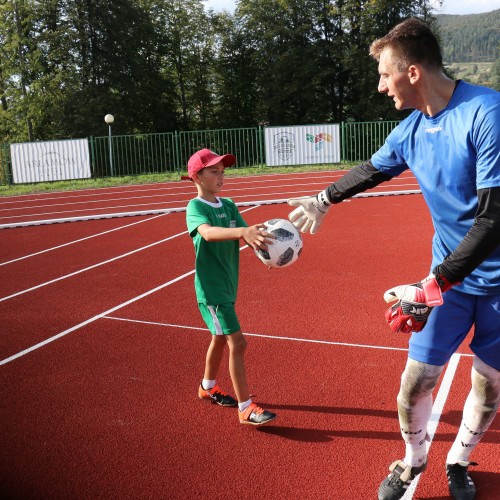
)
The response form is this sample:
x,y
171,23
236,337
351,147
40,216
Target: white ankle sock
x,y
208,384
245,405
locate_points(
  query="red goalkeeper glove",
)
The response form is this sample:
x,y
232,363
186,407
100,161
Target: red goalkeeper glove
x,y
414,303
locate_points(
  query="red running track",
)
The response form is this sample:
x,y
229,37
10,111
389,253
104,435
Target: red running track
x,y
102,349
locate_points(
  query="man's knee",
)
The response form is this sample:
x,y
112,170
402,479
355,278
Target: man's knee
x,y
486,383
418,381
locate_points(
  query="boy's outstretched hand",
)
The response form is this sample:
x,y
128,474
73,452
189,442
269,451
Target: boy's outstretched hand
x,y
309,213
257,236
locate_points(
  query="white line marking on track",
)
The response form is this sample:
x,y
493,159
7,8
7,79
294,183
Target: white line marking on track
x,y
90,267
186,193
287,193
171,185
80,240
437,410
91,320
109,311
277,337
183,209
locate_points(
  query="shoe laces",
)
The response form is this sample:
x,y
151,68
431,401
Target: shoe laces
x,y
253,408
257,409
217,390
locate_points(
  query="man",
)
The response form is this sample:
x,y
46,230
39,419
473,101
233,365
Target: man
x,y
451,144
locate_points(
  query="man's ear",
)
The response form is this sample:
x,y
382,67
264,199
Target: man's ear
x,y
414,73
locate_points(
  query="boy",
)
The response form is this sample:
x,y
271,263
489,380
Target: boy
x,y
216,227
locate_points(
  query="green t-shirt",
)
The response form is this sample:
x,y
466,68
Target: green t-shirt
x,y
216,262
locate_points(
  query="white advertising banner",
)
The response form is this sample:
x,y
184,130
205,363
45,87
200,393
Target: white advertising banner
x,y
50,161
302,145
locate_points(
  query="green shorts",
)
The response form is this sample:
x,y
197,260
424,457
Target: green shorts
x,y
220,319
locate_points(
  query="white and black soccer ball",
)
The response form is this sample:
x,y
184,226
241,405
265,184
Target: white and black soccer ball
x,y
286,246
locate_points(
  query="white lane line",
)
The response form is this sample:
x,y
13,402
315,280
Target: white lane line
x,y
91,320
109,311
437,410
439,402
288,194
277,337
175,185
187,193
90,267
79,240
183,209
162,186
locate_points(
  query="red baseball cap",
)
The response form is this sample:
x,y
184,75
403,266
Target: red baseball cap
x,y
206,158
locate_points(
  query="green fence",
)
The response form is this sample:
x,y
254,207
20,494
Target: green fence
x,y
121,155
124,155
359,140
169,152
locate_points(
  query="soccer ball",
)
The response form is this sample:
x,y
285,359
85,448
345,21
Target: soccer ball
x,y
286,248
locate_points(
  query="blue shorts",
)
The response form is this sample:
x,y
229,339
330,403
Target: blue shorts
x,y
449,324
221,319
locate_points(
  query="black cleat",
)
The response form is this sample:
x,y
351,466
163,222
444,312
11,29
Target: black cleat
x,y
217,396
394,486
459,482
255,415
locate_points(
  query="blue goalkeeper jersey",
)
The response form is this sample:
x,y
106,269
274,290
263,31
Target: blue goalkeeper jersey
x,y
452,154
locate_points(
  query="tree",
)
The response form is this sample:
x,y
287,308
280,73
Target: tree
x,y
235,96
187,57
69,62
20,65
163,65
280,36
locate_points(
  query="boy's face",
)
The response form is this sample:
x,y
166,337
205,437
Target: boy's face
x,y
209,180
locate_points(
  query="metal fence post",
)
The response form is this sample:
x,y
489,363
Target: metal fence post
x,y
262,158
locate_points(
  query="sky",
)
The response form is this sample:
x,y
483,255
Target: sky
x,y
449,6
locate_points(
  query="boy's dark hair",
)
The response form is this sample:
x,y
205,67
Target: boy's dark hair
x,y
411,42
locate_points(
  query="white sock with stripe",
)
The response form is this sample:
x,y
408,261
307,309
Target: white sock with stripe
x,y
480,410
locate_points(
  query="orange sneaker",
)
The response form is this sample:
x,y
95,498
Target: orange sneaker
x,y
255,415
217,396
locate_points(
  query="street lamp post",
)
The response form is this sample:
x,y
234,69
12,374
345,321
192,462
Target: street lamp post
x,y
109,119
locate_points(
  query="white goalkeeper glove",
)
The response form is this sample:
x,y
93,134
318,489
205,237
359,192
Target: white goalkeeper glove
x,y
310,211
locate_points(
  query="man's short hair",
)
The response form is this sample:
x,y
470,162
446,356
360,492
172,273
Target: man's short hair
x,y
411,41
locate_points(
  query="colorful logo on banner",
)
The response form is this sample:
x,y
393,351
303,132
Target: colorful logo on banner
x,y
284,145
319,140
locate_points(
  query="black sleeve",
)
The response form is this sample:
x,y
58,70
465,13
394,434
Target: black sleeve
x,y
357,180
479,242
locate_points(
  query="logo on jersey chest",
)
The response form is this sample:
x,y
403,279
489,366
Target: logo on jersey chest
x,y
433,130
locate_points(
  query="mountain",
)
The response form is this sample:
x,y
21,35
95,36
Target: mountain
x,y
470,38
